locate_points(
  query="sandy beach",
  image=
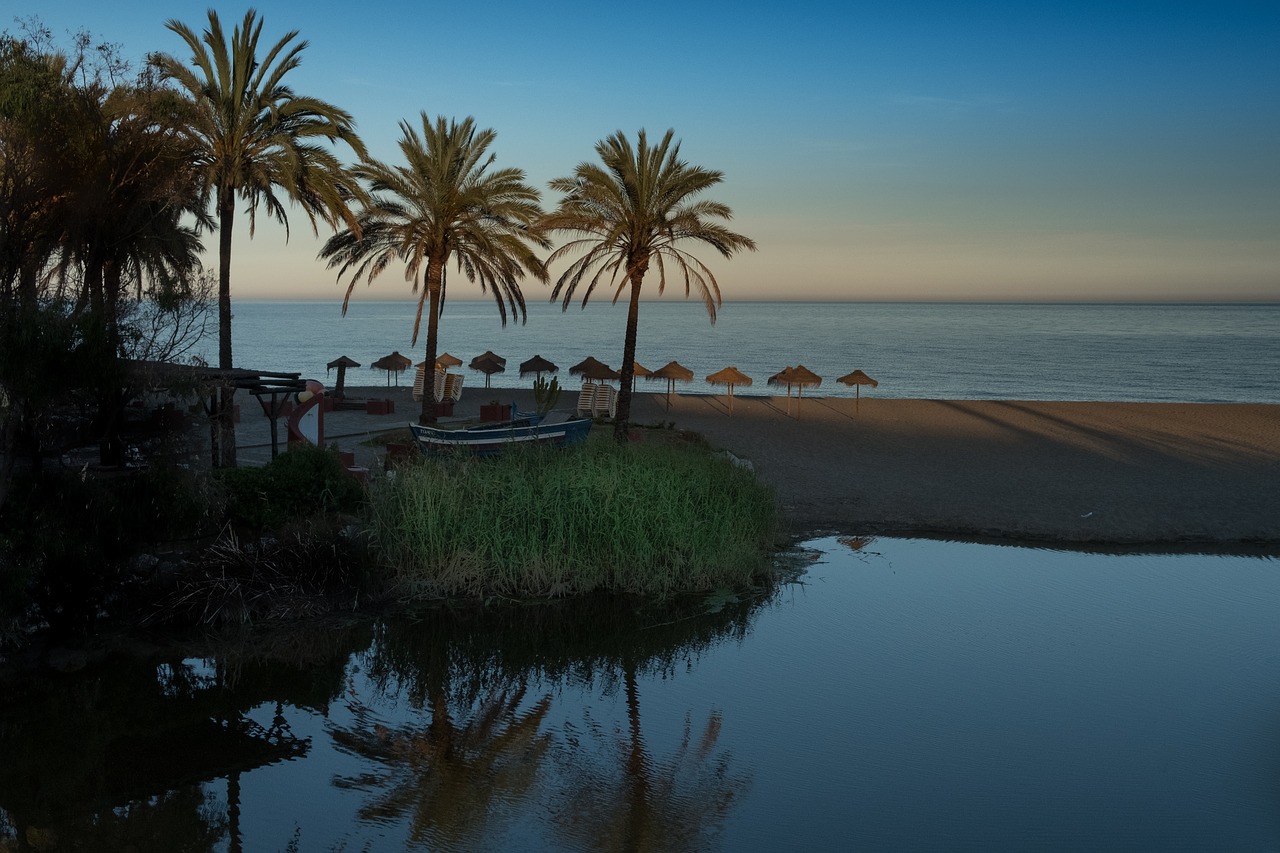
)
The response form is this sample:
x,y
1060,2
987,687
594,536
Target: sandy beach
x,y
1068,472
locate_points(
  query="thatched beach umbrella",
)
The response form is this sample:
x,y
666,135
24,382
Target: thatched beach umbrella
x,y
730,376
857,379
599,372
491,356
783,377
798,377
488,364
587,363
445,361
673,372
394,363
537,366
638,371
342,363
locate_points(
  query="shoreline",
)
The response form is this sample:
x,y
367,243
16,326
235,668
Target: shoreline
x,y
1091,474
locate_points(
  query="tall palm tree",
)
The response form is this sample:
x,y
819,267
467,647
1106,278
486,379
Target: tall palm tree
x,y
632,210
445,203
258,141
134,191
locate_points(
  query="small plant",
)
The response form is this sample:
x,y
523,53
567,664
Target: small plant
x,y
545,394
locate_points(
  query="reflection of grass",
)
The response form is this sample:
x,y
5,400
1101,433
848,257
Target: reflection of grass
x,y
652,517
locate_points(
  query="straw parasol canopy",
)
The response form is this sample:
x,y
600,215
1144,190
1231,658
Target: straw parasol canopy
x,y
730,376
800,377
489,355
445,361
673,372
599,371
488,364
394,363
797,377
857,379
587,363
537,366
782,377
342,362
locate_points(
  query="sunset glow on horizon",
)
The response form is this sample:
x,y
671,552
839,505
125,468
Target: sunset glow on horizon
x,y
1004,151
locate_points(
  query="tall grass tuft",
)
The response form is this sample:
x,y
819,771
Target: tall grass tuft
x,y
650,518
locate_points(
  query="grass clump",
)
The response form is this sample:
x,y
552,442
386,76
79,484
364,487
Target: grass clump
x,y
647,518
304,481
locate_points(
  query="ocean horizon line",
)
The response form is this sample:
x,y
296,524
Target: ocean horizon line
x,y
674,300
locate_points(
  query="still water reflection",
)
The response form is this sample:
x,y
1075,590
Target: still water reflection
x,y
901,695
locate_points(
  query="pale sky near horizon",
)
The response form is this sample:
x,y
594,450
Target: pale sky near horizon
x,y
1008,150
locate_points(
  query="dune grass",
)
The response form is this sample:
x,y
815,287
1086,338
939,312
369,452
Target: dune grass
x,y
652,518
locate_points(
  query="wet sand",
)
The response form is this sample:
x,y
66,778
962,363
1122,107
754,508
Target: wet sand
x,y
1079,472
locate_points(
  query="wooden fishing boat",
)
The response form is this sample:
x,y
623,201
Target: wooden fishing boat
x,y
557,429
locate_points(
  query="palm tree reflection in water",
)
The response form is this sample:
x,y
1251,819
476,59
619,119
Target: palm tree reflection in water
x,y
638,804
488,755
450,778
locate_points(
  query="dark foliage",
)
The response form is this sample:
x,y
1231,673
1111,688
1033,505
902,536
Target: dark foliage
x,y
303,571
301,482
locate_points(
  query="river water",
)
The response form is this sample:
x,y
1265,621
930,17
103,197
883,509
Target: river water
x,y
897,695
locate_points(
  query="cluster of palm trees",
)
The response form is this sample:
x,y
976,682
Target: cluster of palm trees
x,y
107,185
96,202
634,209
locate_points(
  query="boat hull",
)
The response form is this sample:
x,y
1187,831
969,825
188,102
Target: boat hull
x,y
488,439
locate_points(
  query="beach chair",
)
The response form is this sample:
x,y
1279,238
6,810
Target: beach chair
x,y
606,402
419,380
452,386
587,400
420,384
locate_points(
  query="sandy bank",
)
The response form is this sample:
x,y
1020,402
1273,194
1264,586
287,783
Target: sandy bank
x,y
1081,472
1054,471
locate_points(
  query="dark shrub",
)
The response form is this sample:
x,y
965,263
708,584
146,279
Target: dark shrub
x,y
301,482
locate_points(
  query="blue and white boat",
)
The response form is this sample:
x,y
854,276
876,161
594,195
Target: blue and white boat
x,y
556,429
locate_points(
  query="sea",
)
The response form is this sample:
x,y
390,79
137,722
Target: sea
x,y
1196,353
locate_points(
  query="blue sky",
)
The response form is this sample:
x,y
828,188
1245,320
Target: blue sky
x,y
913,150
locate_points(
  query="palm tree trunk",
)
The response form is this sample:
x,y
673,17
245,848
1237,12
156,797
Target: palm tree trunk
x,y
433,283
226,450
226,220
622,418
93,282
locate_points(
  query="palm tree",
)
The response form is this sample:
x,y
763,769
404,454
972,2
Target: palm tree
x,y
134,189
258,141
445,203
634,210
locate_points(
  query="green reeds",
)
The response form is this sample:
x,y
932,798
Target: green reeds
x,y
647,518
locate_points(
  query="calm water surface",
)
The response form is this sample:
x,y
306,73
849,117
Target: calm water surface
x,y
902,695
1146,353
